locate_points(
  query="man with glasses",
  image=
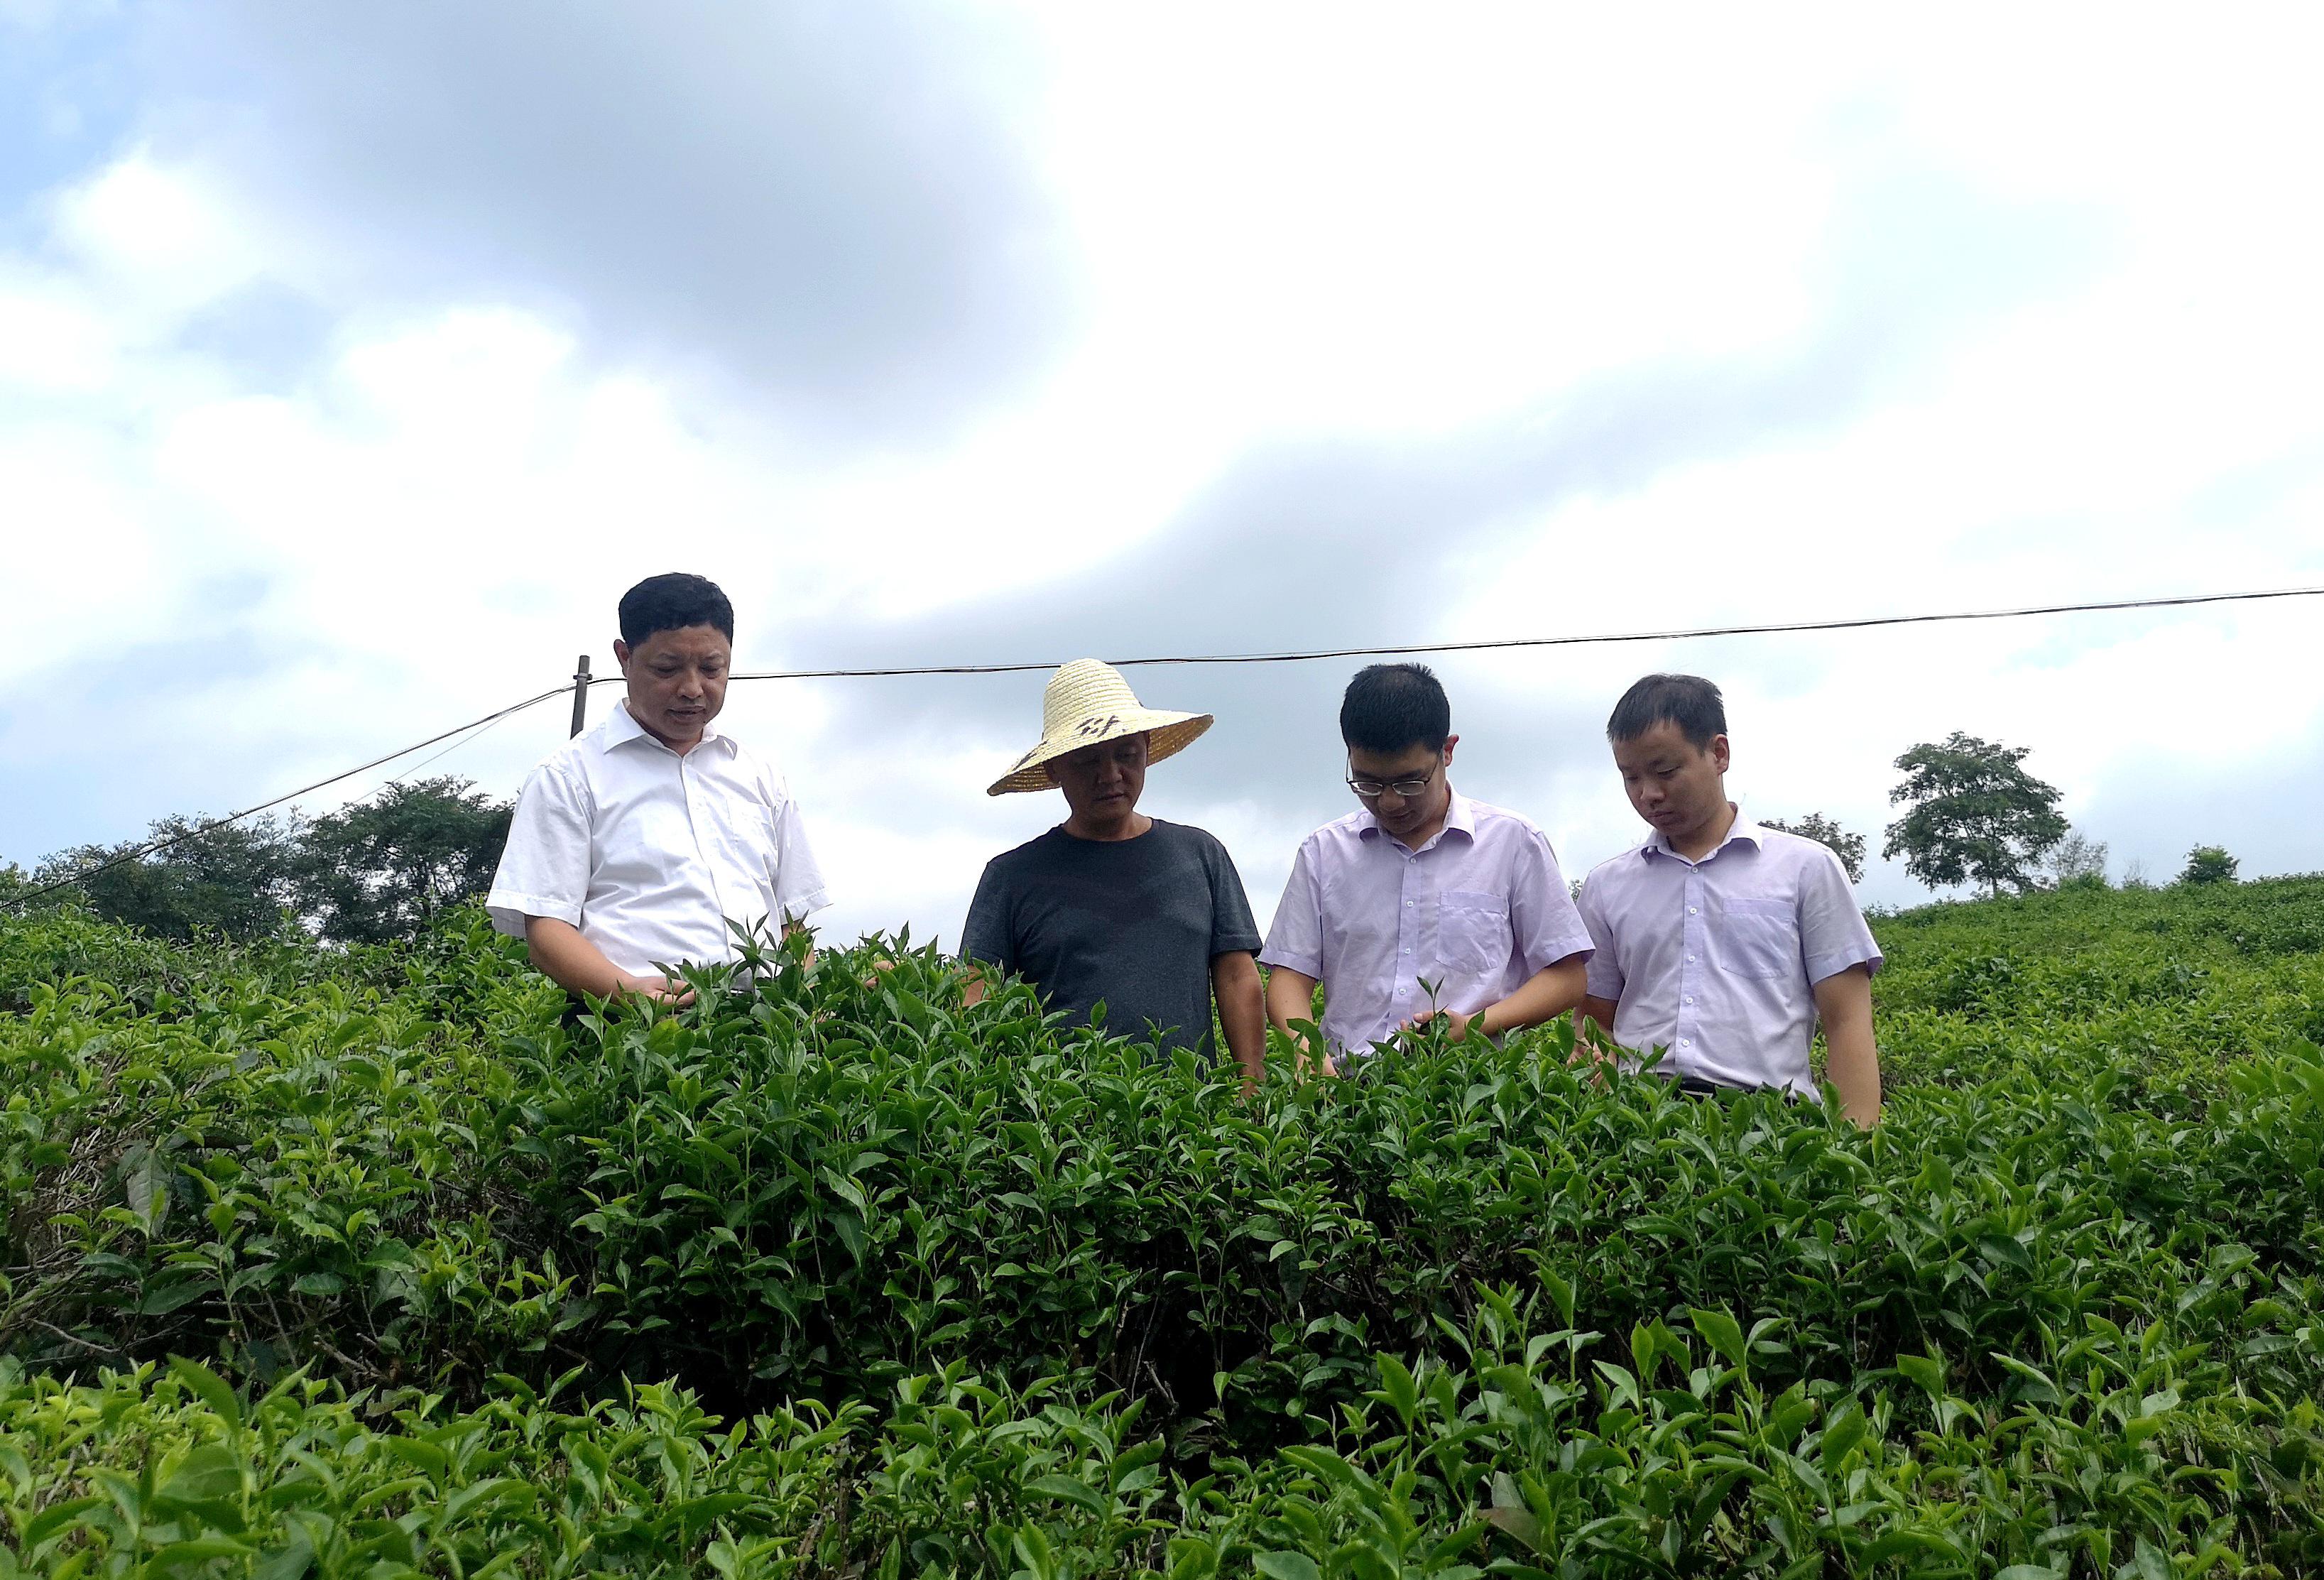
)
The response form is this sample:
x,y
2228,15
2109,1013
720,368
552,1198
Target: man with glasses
x,y
1423,903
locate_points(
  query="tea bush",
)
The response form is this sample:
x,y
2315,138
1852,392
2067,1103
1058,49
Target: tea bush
x,y
841,1274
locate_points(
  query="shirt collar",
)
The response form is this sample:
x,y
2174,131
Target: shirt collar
x,y
1741,831
621,728
1458,815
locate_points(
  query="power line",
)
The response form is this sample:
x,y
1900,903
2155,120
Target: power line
x,y
158,846
1858,622
1598,638
482,728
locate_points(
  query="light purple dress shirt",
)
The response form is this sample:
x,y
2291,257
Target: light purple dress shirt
x,y
1475,911
1717,960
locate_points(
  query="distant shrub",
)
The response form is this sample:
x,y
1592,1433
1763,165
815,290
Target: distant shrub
x,y
2076,858
2208,863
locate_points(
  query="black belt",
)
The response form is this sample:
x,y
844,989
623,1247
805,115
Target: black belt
x,y
1696,1086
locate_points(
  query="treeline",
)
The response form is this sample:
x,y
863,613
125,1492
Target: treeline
x,y
371,873
378,870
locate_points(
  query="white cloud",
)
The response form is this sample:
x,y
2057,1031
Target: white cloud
x,y
1287,224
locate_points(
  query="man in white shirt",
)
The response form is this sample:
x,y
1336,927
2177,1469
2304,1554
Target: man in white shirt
x,y
1719,941
1424,902
636,845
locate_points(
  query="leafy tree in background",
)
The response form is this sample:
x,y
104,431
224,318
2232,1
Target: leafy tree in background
x,y
2079,863
1849,847
383,868
235,880
2208,863
1976,817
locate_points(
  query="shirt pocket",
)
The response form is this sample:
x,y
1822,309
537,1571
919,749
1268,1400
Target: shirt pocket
x,y
1473,931
1759,937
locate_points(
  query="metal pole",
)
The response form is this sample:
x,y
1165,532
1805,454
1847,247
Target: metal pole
x,y
581,693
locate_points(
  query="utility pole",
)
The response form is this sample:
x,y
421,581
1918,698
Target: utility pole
x,y
581,693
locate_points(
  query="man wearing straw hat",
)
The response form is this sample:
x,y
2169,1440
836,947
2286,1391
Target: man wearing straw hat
x,y
1112,907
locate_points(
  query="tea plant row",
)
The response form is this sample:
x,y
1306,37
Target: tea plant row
x,y
892,1266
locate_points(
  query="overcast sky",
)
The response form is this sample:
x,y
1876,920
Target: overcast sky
x,y
354,359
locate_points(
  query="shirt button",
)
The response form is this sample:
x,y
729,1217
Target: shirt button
x,y
1690,910
1686,1001
1689,960
1686,1042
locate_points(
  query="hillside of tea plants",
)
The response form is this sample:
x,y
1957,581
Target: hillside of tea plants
x,y
357,1263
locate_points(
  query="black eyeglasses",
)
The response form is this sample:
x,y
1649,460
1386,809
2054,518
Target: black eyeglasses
x,y
1408,787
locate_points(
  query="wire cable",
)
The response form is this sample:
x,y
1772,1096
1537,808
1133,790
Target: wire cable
x,y
1858,622
1595,639
158,846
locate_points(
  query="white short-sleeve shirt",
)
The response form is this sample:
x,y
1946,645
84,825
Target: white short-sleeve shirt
x,y
1461,923
651,854
1716,960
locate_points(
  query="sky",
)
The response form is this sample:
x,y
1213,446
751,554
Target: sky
x,y
353,360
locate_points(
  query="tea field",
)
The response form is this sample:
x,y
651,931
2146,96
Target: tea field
x,y
358,1263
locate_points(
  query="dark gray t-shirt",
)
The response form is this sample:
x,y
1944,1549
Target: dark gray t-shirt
x,y
1133,922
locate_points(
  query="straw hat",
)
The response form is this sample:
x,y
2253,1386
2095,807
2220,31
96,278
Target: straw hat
x,y
1088,702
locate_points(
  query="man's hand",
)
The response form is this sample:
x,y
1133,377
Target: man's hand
x,y
1593,1031
1456,1025
660,990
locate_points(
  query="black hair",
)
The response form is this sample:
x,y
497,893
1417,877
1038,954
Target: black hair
x,y
672,603
1394,707
1689,701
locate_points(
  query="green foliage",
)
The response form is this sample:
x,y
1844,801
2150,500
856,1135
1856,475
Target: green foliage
x,y
1849,847
837,1274
2173,988
234,880
1977,816
2208,863
375,871
380,869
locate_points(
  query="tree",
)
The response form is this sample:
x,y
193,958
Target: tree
x,y
235,879
1976,817
2079,863
382,869
2208,863
1849,847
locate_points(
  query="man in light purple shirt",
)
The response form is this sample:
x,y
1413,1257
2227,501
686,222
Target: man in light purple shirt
x,y
1722,942
1423,903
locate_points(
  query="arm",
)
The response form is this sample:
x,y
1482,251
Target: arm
x,y
1243,1015
561,954
1844,1003
1291,996
1546,994
1601,997
984,937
